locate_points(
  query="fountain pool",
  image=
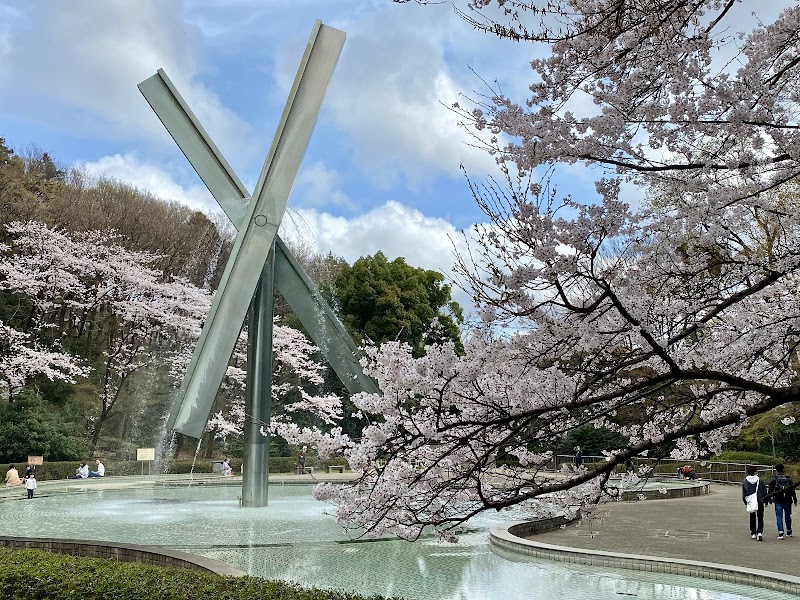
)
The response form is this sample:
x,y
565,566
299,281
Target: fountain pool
x,y
293,539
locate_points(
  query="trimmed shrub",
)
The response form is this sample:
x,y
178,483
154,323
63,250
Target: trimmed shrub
x,y
277,464
752,458
33,574
50,470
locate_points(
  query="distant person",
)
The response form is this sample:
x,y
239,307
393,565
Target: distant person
x,y
101,469
688,472
30,484
782,492
82,472
578,456
30,470
752,484
301,462
226,467
628,465
12,476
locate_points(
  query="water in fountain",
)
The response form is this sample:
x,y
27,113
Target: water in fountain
x,y
295,539
194,460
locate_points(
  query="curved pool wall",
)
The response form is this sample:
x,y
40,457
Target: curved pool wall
x,y
514,538
293,539
665,489
149,555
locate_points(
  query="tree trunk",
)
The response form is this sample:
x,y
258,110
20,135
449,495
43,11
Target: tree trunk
x,y
96,430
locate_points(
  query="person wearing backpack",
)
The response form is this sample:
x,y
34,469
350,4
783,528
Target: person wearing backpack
x,y
782,492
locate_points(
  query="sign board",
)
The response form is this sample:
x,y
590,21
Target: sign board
x,y
145,454
35,461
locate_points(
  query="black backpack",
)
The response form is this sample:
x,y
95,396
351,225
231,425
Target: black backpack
x,y
783,492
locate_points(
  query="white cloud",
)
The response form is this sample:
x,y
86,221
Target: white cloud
x,y
157,181
80,62
393,228
399,73
318,185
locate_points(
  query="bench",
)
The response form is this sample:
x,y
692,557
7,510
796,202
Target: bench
x,y
339,468
304,470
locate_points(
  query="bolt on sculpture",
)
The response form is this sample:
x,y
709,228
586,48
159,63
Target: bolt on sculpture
x,y
258,262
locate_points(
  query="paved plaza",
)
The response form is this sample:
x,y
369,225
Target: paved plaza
x,y
711,528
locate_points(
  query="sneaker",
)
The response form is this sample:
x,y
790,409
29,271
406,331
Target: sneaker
x,y
753,535
780,535
789,533
760,538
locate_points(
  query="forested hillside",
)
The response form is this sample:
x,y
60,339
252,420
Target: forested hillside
x,y
187,243
101,288
103,291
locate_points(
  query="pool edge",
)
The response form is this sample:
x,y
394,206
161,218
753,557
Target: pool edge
x,y
500,536
150,555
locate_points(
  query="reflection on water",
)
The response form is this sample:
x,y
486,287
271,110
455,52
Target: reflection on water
x,y
293,539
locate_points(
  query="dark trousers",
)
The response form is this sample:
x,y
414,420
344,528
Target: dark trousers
x,y
757,519
30,494
783,510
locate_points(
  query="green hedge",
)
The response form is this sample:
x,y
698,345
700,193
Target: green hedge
x,y
60,470
753,458
35,574
277,464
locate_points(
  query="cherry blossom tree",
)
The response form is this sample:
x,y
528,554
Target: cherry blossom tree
x,y
670,316
21,359
297,378
88,285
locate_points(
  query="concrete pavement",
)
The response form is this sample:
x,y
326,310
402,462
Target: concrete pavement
x,y
713,528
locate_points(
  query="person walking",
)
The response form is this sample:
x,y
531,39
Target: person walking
x,y
753,487
30,484
782,492
578,456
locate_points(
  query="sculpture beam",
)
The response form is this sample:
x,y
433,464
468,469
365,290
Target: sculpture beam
x,y
258,227
314,313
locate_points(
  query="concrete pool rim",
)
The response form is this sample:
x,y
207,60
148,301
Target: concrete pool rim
x,y
509,537
149,555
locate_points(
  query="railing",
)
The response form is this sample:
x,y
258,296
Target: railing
x,y
718,471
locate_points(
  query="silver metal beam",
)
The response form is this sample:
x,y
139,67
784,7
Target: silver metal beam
x,y
260,226
170,107
325,329
314,313
258,399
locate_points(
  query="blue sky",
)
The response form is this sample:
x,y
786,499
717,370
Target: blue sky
x,y
382,170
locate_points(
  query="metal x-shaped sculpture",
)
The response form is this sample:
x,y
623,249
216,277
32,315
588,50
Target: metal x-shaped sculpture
x,y
257,219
